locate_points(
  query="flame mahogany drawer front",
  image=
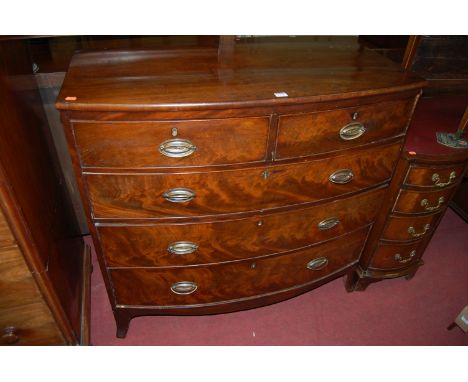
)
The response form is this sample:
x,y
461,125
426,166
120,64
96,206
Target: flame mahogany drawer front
x,y
239,280
422,201
437,177
409,228
321,132
172,143
213,242
249,189
395,256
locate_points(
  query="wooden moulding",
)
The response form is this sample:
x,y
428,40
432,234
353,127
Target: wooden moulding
x,y
86,297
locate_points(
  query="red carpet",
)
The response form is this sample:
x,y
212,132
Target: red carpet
x,y
393,312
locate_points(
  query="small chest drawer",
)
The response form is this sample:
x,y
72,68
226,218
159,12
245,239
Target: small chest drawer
x,y
224,282
434,176
422,201
210,193
409,228
394,256
172,143
321,132
205,243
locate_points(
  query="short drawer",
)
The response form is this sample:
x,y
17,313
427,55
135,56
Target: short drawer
x,y
232,191
422,201
394,256
204,243
29,324
172,143
438,177
409,228
210,284
327,131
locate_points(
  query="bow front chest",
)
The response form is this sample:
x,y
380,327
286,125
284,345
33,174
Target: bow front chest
x,y
221,181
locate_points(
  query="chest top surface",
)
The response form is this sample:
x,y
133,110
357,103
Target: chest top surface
x,y
248,74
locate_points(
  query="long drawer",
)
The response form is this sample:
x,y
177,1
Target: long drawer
x,y
321,132
213,242
224,282
143,195
172,143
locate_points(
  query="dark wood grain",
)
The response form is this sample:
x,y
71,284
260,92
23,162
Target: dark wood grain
x,y
140,195
223,282
194,79
218,141
35,205
315,133
146,245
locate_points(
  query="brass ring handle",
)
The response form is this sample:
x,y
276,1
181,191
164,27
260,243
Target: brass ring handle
x,y
182,248
427,207
403,260
317,264
179,195
184,287
328,224
177,148
341,176
413,233
352,131
436,179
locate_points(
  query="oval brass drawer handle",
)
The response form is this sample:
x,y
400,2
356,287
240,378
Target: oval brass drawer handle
x,y
451,179
179,195
328,223
427,207
317,264
403,260
341,176
177,148
352,131
182,248
412,231
184,287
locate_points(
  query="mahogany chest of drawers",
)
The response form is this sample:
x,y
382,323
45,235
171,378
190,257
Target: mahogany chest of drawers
x,y
218,183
